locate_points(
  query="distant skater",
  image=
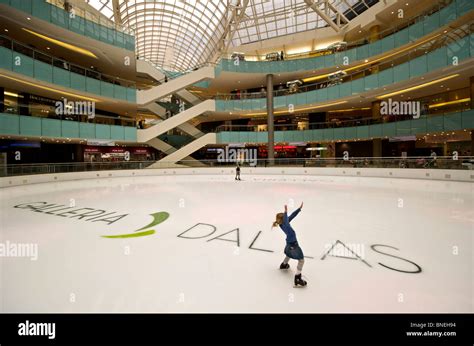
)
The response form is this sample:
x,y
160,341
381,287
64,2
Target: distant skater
x,y
237,173
292,249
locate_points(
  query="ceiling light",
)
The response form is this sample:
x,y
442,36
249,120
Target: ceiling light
x,y
8,93
418,86
310,79
449,103
63,44
300,109
50,89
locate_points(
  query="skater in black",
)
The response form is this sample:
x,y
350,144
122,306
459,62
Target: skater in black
x,y
292,249
237,173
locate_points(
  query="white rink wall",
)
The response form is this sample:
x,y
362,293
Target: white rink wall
x,y
426,174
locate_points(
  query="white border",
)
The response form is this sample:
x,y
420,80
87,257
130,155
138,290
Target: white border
x,y
403,173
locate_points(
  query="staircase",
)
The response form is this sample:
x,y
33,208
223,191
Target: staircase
x,y
146,67
178,155
175,121
148,98
173,85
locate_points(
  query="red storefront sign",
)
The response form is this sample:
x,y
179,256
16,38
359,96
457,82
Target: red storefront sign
x,y
117,150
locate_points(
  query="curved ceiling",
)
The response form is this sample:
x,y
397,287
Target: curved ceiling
x,y
180,34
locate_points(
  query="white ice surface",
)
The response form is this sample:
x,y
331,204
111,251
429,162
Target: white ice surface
x,y
429,222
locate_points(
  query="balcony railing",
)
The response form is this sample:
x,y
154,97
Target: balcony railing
x,y
329,124
415,28
78,19
377,128
455,39
22,59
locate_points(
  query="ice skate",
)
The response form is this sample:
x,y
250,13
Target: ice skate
x,y
299,282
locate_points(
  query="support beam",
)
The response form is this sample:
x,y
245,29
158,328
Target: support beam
x,y
116,9
325,14
270,120
339,15
238,12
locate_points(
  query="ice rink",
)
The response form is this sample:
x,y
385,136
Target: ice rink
x,y
372,245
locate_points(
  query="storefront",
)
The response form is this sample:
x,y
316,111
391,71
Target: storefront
x,y
115,154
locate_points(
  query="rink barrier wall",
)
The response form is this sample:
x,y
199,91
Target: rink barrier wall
x,y
406,173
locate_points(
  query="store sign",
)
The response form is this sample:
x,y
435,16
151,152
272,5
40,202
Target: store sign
x,y
140,151
117,150
100,142
91,150
402,139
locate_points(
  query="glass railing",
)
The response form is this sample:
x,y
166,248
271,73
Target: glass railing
x,y
49,168
50,111
365,130
412,64
418,162
79,20
426,162
336,123
423,26
22,59
21,125
367,68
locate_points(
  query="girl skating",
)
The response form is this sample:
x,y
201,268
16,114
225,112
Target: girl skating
x,y
292,249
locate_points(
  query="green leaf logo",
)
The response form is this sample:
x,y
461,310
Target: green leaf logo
x,y
158,218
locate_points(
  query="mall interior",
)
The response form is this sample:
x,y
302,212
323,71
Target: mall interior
x,y
170,83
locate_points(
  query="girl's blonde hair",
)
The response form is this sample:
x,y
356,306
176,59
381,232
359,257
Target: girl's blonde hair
x,y
278,219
